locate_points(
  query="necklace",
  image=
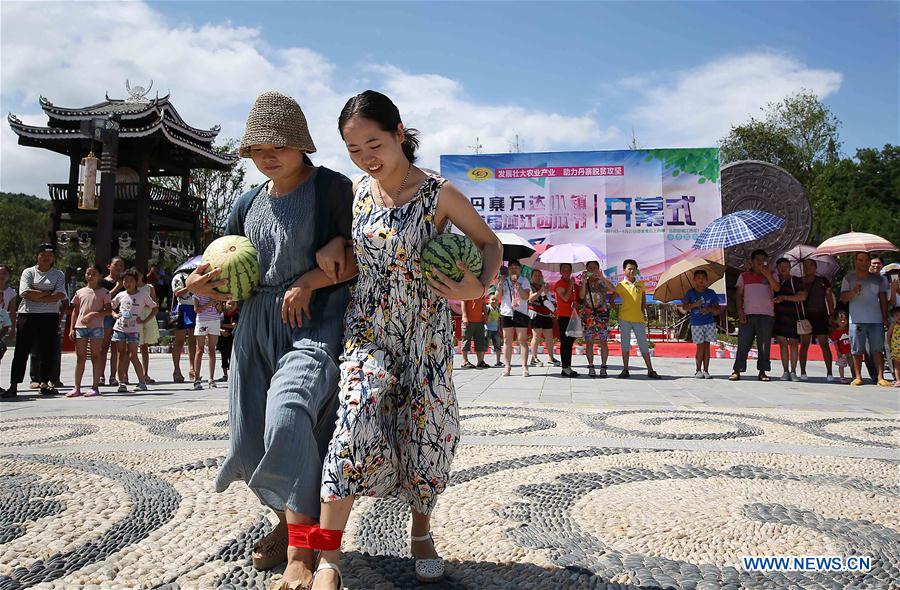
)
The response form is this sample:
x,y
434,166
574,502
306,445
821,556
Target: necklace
x,y
382,192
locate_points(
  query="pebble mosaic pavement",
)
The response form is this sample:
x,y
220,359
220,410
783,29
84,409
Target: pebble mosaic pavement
x,y
108,499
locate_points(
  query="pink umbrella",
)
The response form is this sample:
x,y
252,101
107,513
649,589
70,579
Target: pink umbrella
x,y
826,265
855,242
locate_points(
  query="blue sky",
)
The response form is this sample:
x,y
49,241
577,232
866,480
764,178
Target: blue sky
x,y
560,75
565,56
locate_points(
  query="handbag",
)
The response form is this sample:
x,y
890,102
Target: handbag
x,y
574,329
804,326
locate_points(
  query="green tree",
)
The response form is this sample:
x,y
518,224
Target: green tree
x,y
798,133
218,189
759,140
24,228
29,202
858,194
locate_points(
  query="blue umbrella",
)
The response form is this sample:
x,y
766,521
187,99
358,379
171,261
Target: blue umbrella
x,y
190,264
737,228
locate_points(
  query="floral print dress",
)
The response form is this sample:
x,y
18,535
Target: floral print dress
x,y
398,422
595,313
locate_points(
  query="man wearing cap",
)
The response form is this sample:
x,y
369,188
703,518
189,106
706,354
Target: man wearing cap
x,y
41,288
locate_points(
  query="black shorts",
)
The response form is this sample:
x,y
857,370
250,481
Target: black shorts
x,y
542,322
820,323
518,320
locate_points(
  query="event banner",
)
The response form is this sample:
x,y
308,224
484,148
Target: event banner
x,y
648,205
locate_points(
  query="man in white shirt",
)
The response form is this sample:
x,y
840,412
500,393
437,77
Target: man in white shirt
x,y
41,288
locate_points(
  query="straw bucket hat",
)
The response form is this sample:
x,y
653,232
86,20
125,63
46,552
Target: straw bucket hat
x,y
276,119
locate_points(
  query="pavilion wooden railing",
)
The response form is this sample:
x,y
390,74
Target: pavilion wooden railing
x,y
161,198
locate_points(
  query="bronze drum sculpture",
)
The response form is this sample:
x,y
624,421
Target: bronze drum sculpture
x,y
751,184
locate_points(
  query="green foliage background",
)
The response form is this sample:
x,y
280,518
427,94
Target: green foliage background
x,y
26,223
800,134
702,162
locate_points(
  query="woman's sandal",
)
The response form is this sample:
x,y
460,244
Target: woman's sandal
x,y
330,566
272,551
653,375
763,377
429,570
467,365
735,376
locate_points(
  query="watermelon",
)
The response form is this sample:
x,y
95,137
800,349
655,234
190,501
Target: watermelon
x,y
442,251
237,257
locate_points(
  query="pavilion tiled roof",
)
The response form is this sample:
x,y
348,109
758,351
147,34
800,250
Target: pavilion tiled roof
x,y
138,118
127,110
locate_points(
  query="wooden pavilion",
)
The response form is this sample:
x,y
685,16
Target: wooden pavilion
x,y
136,139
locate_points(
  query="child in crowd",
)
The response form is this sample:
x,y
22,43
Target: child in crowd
x,y
129,306
632,318
90,305
703,303
841,339
112,283
149,329
226,338
206,331
7,300
894,340
492,327
5,326
473,312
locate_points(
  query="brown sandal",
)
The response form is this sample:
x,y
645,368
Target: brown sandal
x,y
271,551
735,376
763,377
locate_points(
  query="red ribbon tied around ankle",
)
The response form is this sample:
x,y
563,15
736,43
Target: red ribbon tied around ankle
x,y
310,536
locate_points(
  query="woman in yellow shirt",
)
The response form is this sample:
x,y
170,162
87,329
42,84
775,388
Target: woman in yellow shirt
x,y
631,318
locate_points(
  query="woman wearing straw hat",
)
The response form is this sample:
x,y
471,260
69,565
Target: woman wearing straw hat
x,y
284,372
398,423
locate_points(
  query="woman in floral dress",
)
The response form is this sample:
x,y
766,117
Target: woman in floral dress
x,y
398,424
595,315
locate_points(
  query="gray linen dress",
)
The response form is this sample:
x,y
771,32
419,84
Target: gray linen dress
x,y
283,381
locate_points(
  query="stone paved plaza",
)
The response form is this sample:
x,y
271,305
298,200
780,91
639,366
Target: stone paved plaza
x,y
558,484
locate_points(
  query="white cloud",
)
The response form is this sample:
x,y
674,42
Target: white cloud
x,y
696,107
214,72
450,121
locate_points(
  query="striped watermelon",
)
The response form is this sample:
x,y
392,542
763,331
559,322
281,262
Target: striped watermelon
x,y
442,251
237,257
